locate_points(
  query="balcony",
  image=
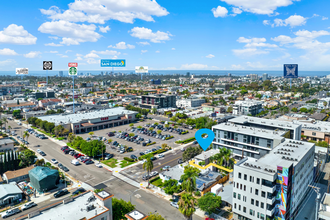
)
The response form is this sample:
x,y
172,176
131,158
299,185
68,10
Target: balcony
x,y
248,144
271,200
270,211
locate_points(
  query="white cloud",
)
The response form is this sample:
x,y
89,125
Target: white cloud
x,y
237,67
157,51
63,56
210,56
193,66
32,54
256,65
104,29
147,34
7,52
53,37
251,40
100,11
252,46
143,43
173,48
266,22
14,34
237,11
7,62
219,12
122,46
79,55
78,58
71,33
53,45
266,7
293,21
144,51
249,52
68,51
92,61
92,55
324,18
106,52
53,51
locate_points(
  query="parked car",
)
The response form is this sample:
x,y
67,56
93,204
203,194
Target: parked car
x,y
99,165
42,153
54,161
65,169
180,161
89,161
61,193
10,213
60,166
154,173
79,190
75,162
175,204
160,155
166,167
141,153
28,205
134,157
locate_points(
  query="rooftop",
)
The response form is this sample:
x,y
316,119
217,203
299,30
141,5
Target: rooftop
x,y
320,126
325,206
287,153
76,209
207,154
265,122
6,189
135,215
6,141
263,133
76,118
17,173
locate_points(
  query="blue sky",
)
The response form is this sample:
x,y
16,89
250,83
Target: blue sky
x,y
166,34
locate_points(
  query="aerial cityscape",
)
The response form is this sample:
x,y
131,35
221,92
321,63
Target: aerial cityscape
x,y
165,110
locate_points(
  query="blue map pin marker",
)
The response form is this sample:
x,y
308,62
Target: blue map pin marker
x,y
204,142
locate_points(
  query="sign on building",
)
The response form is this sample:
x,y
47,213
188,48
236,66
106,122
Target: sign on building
x,y
141,69
73,64
290,71
22,71
47,65
113,63
73,71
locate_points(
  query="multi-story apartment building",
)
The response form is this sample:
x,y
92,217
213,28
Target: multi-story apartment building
x,y
250,107
249,136
158,101
274,186
186,103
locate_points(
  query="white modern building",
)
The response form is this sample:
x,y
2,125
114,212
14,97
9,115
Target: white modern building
x,y
248,107
324,210
321,102
186,103
273,186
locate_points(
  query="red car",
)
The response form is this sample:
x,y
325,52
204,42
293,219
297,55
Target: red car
x,y
78,155
84,161
64,147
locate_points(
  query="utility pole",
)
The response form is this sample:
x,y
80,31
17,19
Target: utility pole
x,y
317,200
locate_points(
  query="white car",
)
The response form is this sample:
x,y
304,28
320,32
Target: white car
x,y
99,165
166,167
28,205
154,173
54,161
75,162
160,156
10,212
175,204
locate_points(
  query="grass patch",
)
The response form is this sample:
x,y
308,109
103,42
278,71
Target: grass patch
x,y
61,138
125,163
186,141
111,162
157,182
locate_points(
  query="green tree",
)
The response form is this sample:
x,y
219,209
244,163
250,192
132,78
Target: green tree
x,y
294,109
131,134
171,186
303,110
191,152
16,113
26,158
71,137
26,135
159,132
154,110
189,179
230,109
121,208
5,121
148,166
187,205
131,125
209,202
154,216
91,133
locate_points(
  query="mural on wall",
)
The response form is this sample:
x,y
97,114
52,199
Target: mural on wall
x,y
282,191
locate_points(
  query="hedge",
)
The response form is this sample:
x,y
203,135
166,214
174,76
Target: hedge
x,y
185,132
128,159
186,141
170,137
151,143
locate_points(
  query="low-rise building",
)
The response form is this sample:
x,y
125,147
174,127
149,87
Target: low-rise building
x,y
249,107
186,103
6,144
10,193
17,175
20,106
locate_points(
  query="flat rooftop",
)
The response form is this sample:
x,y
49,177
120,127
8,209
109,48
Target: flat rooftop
x,y
78,117
265,122
77,209
258,132
321,126
285,154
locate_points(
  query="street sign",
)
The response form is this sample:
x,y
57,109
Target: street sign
x,y
141,69
73,71
113,63
22,71
73,64
47,65
290,71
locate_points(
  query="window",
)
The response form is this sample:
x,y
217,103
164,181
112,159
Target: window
x,y
251,190
251,212
256,192
258,215
244,198
239,207
237,185
234,195
239,196
313,133
257,203
262,205
239,175
251,179
258,181
245,177
252,201
241,186
263,194
262,216
234,205
244,209
244,187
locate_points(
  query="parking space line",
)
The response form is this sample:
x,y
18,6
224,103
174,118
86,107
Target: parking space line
x,y
89,179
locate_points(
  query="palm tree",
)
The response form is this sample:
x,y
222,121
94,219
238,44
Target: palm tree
x,y
91,134
9,127
5,121
26,135
148,166
187,205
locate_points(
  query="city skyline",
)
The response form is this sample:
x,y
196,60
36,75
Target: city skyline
x,y
212,35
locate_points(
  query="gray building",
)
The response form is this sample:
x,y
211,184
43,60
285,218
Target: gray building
x,y
158,101
10,193
185,103
249,107
264,76
274,186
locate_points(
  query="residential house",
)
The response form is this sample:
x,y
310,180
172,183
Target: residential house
x,y
17,175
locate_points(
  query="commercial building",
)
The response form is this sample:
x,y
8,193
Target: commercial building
x,y
155,82
91,121
264,76
60,73
250,107
188,103
274,186
88,206
254,76
158,101
10,88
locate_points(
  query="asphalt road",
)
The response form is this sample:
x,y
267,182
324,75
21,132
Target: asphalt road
x,y
145,201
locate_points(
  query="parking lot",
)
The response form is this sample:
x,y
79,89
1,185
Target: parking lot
x,y
137,148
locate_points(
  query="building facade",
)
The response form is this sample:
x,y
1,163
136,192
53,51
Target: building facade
x,y
247,107
186,103
158,101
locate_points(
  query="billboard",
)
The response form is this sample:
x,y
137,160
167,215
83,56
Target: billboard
x,y
141,69
290,71
47,65
72,64
22,71
73,71
113,63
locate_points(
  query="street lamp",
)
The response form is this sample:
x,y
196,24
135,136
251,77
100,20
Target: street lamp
x,y
130,195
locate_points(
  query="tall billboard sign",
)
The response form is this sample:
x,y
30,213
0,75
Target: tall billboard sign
x,y
141,69
47,65
290,71
113,63
22,71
